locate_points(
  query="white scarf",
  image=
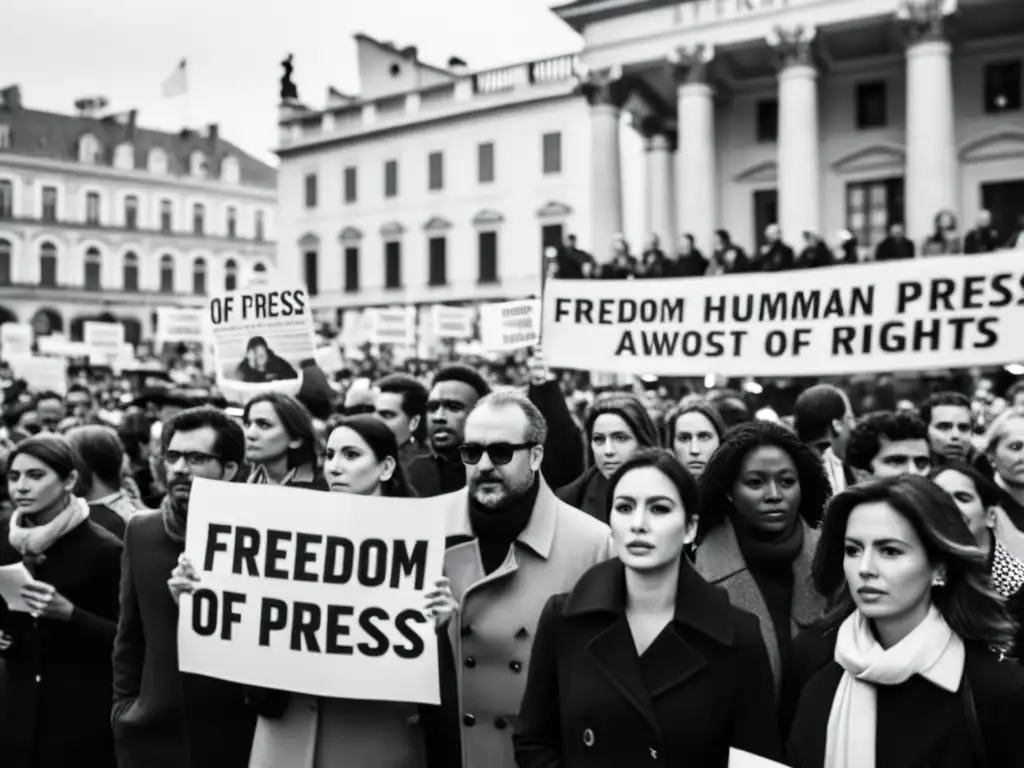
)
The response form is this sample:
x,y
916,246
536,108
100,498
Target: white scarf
x,y
32,541
931,650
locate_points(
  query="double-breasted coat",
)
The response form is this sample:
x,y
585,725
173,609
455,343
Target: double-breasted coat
x,y
491,636
55,700
702,686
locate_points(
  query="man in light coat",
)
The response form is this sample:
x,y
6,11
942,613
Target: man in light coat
x,y
511,545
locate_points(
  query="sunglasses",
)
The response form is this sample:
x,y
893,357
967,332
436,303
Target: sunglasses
x,y
499,453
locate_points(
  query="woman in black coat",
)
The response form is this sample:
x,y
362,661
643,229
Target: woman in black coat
x,y
55,702
917,678
644,661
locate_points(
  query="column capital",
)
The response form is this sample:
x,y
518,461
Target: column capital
x,y
605,87
793,46
690,63
924,20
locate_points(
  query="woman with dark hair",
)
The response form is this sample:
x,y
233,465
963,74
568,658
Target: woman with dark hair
x,y
694,432
101,483
281,444
57,644
135,434
262,365
916,677
616,427
763,495
650,624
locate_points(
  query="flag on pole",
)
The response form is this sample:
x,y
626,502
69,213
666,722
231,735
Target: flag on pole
x,y
177,83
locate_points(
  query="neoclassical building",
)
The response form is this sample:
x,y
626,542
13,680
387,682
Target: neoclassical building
x,y
103,219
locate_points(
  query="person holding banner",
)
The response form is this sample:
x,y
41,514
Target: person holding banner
x,y
685,674
281,444
56,643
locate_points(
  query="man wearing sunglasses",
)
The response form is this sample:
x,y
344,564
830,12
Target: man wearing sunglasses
x,y
511,545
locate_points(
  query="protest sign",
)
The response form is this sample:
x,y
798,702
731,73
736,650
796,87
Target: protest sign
x,y
953,311
41,373
104,340
452,322
16,339
391,325
179,325
260,335
510,325
312,592
56,344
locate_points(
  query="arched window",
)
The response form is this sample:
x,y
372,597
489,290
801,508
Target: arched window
x,y
157,160
260,268
198,218
48,265
88,149
166,215
93,268
131,272
259,273
230,275
230,170
124,157
199,276
167,273
92,208
6,257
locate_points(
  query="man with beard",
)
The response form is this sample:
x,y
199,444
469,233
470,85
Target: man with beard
x,y
453,393
511,545
174,720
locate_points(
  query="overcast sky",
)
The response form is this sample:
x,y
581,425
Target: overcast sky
x,y
61,50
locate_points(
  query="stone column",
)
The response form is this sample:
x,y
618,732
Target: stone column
x,y
606,92
799,163
932,163
659,194
696,167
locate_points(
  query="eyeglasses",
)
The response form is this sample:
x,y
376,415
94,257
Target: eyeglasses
x,y
194,459
499,453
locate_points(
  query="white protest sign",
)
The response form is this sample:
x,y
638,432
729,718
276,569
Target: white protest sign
x,y
41,373
179,324
953,311
16,339
55,344
329,359
313,592
260,335
452,322
104,340
392,325
510,325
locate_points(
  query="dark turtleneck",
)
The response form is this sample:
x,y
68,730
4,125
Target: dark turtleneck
x,y
497,529
451,472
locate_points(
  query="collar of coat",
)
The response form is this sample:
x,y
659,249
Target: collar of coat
x,y
539,533
602,590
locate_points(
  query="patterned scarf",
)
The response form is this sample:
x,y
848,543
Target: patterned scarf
x,y
32,541
260,476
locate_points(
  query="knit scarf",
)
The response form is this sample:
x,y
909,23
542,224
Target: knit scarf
x,y
776,553
260,476
32,541
931,650
175,520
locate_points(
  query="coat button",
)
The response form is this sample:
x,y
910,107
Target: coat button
x,y
468,720
588,738
39,678
500,723
470,662
516,666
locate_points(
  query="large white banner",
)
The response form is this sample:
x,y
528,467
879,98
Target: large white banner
x,y
313,592
938,312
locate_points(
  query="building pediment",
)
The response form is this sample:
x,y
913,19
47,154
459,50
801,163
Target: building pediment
x,y
437,224
759,173
309,240
488,216
995,145
874,158
350,235
392,229
554,210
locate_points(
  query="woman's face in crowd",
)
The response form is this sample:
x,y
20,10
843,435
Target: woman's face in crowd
x,y
766,494
694,441
266,439
258,357
650,526
963,491
1008,456
612,441
33,486
886,567
351,466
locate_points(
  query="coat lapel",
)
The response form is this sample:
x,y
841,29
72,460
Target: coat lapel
x,y
807,605
615,656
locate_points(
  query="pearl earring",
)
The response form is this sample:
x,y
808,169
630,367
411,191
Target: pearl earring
x,y
939,581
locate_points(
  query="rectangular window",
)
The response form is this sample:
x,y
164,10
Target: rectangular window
x,y
259,227
92,209
1003,87
166,216
92,275
872,105
393,264
48,271
551,149
5,137
391,178
485,163
49,204
131,212
767,121
311,190
232,222
350,185
312,272
131,278
487,246
871,208
435,171
351,269
437,268
6,200
198,219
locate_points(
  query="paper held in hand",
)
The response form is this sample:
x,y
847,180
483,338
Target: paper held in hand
x,y
12,579
740,759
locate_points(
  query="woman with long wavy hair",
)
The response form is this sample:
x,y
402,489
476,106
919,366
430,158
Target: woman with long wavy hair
x,y
917,676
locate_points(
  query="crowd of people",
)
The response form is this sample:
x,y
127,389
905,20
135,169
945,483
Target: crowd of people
x,y
775,254
642,582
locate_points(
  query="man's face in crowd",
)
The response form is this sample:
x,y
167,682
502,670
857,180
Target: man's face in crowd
x,y
79,404
495,485
447,408
949,431
50,413
901,457
190,455
389,408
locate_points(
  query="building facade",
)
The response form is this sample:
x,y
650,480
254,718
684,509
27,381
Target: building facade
x,y
103,219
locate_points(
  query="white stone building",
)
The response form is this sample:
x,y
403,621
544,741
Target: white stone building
x,y
103,219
